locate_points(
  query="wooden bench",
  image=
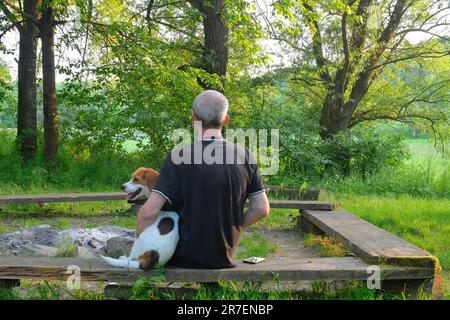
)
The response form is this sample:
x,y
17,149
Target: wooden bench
x,y
402,264
344,268
108,196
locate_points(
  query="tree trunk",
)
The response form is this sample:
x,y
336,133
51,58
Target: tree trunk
x,y
215,51
26,116
332,119
49,87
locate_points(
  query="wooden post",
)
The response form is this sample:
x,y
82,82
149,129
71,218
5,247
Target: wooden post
x,y
304,226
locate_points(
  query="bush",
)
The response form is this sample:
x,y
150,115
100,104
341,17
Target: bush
x,y
362,152
304,156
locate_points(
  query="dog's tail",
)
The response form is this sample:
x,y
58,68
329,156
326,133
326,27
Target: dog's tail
x,y
121,263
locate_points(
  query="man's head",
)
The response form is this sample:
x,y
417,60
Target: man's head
x,y
210,107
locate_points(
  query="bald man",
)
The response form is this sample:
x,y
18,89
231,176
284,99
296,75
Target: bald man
x,y
208,195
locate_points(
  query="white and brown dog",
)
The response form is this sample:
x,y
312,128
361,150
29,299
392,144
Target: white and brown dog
x,y
156,244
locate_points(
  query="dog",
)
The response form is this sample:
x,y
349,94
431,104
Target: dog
x,y
142,182
156,244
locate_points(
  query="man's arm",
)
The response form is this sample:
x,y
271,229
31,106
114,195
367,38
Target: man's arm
x,y
259,209
149,211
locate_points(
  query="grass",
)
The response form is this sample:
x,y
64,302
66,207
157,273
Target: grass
x,y
254,245
327,246
284,219
424,175
67,249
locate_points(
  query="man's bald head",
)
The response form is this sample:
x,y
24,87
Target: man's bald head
x,y
211,108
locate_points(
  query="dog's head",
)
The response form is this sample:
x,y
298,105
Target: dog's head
x,y
142,182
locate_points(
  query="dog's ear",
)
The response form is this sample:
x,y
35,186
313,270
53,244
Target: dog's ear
x,y
151,176
148,260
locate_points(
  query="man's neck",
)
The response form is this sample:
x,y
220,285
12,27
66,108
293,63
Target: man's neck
x,y
209,133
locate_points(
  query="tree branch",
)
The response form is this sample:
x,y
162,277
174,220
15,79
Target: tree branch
x,y
317,44
11,17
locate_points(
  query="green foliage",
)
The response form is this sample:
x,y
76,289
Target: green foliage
x,y
78,169
362,151
8,98
149,288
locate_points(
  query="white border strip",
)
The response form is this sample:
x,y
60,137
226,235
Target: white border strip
x,y
255,193
162,194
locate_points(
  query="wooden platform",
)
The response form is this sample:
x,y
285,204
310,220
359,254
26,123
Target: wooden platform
x,y
367,241
107,196
349,268
400,261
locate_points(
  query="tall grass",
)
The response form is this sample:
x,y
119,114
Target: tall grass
x,y
425,174
78,169
429,179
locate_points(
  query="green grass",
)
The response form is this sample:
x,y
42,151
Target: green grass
x,y
254,245
280,219
67,249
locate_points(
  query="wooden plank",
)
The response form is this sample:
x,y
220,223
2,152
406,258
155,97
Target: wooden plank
x,y
62,197
292,193
82,197
304,205
347,268
367,241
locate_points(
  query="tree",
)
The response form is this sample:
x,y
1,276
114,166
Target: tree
x,y
47,35
24,20
349,51
214,58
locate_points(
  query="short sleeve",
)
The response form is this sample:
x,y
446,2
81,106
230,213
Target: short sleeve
x,y
168,184
256,184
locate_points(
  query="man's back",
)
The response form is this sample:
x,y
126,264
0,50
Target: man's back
x,y
208,183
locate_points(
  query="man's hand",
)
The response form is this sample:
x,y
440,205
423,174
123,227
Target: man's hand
x,y
149,211
259,209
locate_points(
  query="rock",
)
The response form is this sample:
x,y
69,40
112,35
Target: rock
x,y
37,250
118,246
87,253
43,235
44,240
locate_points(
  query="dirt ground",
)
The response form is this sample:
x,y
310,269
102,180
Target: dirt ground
x,y
287,243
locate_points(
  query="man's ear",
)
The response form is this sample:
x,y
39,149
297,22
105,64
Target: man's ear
x,y
194,116
227,118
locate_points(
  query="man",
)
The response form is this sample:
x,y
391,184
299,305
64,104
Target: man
x,y
209,196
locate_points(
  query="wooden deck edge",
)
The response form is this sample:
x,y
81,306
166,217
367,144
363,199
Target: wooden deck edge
x,y
319,269
425,261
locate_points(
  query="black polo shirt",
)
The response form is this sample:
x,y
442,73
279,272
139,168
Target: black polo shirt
x,y
207,183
